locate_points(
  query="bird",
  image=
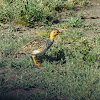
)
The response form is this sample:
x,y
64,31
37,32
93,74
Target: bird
x,y
38,45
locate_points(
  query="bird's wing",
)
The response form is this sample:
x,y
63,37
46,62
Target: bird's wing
x,y
38,43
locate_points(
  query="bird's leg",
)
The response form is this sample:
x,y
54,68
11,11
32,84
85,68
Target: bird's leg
x,y
35,61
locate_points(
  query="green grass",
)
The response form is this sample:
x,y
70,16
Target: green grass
x,y
26,12
70,68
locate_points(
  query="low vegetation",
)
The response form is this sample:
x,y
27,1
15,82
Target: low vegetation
x,y
25,12
70,68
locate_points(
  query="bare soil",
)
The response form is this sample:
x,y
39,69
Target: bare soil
x,y
91,17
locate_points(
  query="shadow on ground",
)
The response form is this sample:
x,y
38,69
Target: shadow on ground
x,y
58,57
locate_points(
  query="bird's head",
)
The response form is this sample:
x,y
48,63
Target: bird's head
x,y
54,33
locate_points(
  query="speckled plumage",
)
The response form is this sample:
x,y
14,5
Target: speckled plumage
x,y
37,46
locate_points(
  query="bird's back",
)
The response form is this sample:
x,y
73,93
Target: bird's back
x,y
37,46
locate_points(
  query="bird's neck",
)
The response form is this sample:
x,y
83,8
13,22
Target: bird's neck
x,y
52,37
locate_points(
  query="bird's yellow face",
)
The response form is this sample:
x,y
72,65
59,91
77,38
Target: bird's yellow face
x,y
54,33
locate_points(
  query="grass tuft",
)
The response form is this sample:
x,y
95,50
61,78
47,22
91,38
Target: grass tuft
x,y
25,12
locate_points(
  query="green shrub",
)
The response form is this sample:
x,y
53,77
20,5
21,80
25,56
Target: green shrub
x,y
27,11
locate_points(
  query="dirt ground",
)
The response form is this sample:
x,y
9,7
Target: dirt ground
x,y
91,17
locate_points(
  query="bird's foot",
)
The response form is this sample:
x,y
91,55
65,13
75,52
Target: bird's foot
x,y
37,65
